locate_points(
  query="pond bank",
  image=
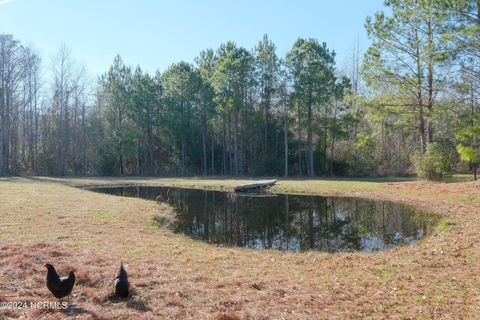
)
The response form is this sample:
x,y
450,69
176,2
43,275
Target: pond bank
x,y
175,277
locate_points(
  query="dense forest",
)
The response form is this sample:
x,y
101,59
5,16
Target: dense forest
x,y
407,104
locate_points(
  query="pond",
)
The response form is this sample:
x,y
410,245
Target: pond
x,y
287,222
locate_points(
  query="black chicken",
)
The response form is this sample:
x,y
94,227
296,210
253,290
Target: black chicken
x,y
59,287
121,284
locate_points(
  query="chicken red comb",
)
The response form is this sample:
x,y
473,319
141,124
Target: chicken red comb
x,y
45,264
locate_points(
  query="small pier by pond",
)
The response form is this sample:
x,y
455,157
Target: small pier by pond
x,y
286,222
255,186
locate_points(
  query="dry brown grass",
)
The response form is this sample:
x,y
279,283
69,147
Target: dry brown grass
x,y
177,278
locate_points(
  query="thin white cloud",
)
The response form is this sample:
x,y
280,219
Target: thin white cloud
x,y
4,1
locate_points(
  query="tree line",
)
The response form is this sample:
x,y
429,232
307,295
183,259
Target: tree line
x,y
411,100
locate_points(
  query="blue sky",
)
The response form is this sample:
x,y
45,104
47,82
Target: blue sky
x,y
155,34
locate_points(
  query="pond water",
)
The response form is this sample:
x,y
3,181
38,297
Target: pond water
x,y
287,222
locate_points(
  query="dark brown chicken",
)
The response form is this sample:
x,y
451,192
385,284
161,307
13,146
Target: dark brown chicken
x,y
60,287
121,285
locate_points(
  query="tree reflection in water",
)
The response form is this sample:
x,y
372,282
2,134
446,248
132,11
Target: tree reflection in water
x,y
289,222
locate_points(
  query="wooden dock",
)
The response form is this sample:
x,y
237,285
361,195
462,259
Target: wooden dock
x,y
255,186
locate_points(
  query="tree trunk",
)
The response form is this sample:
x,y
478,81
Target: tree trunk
x,y
331,155
423,145
224,151
235,145
84,142
310,141
325,144
299,141
265,136
183,155
213,156
430,79
204,154
286,139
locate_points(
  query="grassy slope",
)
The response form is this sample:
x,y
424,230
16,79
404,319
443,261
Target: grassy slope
x,y
174,277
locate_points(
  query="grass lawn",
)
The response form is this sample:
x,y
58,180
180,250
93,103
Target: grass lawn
x,y
173,277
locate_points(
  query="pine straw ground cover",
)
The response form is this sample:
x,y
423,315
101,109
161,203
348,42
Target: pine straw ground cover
x,y
177,278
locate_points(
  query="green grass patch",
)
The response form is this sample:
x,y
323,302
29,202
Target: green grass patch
x,y
461,177
159,222
385,274
444,225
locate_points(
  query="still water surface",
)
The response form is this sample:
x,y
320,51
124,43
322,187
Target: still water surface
x,y
287,222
